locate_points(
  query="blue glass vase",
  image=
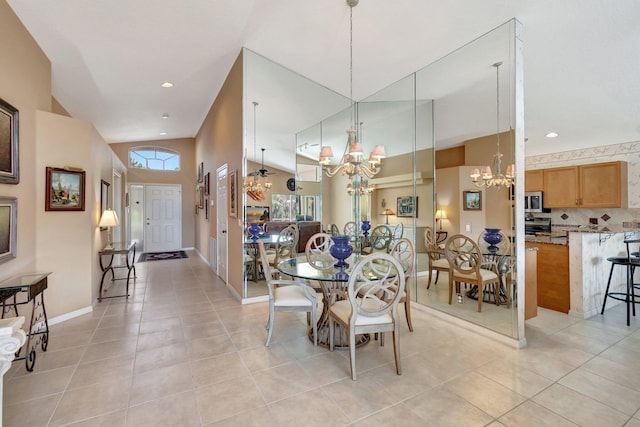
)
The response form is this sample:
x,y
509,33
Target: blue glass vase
x,y
254,231
366,226
340,250
493,237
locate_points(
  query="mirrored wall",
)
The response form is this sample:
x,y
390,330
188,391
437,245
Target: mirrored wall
x,y
436,125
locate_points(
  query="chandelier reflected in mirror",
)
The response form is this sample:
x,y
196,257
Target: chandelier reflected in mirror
x,y
488,178
353,162
256,183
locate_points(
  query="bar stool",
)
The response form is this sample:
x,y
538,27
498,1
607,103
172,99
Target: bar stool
x,y
631,261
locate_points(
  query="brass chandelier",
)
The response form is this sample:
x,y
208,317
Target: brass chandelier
x,y
353,163
488,178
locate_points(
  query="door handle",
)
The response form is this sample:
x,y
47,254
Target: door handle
x,y
224,231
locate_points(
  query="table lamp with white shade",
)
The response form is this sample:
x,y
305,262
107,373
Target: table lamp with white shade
x,y
440,215
109,219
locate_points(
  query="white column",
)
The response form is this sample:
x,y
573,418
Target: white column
x,y
11,339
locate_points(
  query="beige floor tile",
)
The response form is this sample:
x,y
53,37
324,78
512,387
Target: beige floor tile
x,y
87,402
160,357
314,407
579,408
327,367
444,408
120,348
257,417
397,415
359,398
523,381
194,318
248,338
619,374
36,385
114,333
159,339
58,341
283,381
530,414
24,414
218,369
204,330
94,372
119,320
176,410
114,419
208,347
161,382
161,325
225,399
416,378
259,358
491,397
603,390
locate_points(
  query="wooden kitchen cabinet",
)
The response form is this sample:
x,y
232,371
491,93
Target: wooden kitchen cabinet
x,y
598,185
552,273
533,180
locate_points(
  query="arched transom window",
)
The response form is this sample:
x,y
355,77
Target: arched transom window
x,y
155,158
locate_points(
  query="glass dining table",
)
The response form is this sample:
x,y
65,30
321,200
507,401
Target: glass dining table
x,y
333,284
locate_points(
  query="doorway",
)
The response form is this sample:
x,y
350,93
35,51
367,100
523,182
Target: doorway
x,y
156,214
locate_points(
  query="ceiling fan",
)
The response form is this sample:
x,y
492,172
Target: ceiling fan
x,y
262,171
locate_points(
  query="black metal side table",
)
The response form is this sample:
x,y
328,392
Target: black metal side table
x,y
127,249
23,289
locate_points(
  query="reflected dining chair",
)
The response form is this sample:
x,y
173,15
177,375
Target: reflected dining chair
x,y
435,255
405,253
379,240
375,287
350,229
497,261
288,295
466,260
286,247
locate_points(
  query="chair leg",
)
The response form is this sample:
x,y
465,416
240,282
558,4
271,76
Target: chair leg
x,y
437,276
352,354
429,278
407,313
606,292
450,289
270,324
331,333
396,350
315,325
480,296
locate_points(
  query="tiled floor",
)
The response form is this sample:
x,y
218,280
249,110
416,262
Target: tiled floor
x,y
182,352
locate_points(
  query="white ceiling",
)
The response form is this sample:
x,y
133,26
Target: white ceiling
x,y
109,58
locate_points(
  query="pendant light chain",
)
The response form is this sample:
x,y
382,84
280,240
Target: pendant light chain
x,y
497,65
353,106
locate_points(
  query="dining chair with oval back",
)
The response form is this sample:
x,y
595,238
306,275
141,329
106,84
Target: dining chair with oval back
x,y
288,295
379,240
405,253
436,258
285,248
465,259
374,310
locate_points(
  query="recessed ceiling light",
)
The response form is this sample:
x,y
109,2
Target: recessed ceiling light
x,y
167,84
552,135
165,116
163,133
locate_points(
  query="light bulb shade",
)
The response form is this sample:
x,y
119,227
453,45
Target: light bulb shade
x,y
109,219
355,149
379,152
486,172
326,152
475,173
373,161
440,214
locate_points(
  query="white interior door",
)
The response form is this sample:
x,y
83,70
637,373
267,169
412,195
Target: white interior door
x,y
221,226
163,223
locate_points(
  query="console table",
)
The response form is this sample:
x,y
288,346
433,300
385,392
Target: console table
x,y
126,249
23,289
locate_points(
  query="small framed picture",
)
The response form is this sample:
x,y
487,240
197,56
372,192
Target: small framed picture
x,y
64,190
233,200
200,197
407,206
472,200
8,221
206,184
201,172
9,163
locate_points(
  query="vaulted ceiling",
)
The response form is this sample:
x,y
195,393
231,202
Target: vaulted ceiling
x,y
109,58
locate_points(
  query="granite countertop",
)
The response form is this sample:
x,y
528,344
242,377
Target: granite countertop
x,y
626,227
549,239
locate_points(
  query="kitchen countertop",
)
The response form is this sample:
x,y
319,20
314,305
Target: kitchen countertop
x,y
550,240
560,235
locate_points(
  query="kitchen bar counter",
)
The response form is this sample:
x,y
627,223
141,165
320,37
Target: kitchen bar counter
x,y
549,240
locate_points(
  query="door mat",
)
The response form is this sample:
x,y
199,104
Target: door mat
x,y
161,256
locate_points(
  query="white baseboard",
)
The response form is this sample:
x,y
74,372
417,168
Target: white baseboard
x,y
69,316
253,300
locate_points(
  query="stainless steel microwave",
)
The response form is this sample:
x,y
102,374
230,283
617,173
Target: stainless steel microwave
x,y
533,201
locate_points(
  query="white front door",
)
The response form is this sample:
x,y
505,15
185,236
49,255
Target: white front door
x,y
163,223
221,225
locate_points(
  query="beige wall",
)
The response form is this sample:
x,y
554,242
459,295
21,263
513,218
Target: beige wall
x,y
65,243
219,141
186,177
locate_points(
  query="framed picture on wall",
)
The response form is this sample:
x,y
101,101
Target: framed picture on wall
x,y
9,163
64,190
201,172
472,200
200,197
407,206
8,221
206,184
104,198
232,183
